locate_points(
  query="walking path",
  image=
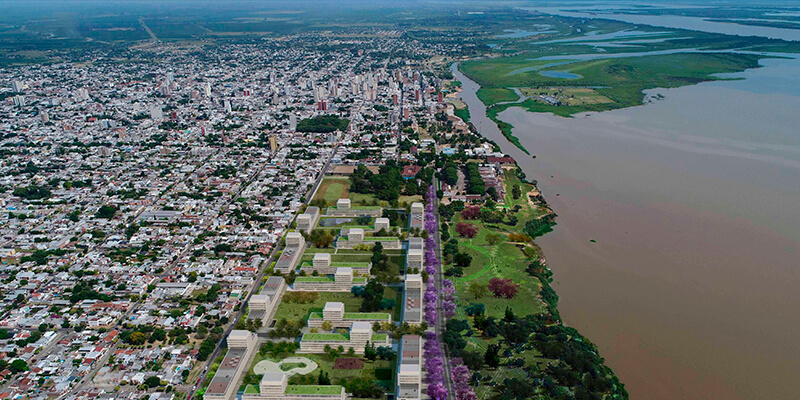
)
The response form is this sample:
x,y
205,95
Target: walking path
x,y
265,366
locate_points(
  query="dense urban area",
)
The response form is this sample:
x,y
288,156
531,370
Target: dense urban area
x,y
302,216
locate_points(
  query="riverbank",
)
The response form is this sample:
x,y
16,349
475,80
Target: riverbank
x,y
529,334
668,289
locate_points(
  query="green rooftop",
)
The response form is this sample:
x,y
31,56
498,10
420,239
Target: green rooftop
x,y
327,337
359,315
350,264
314,279
252,389
381,238
314,389
379,338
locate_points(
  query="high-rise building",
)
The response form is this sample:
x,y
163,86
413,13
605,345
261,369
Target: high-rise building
x,y
156,114
333,88
207,89
273,144
441,97
292,122
81,95
228,106
16,86
19,101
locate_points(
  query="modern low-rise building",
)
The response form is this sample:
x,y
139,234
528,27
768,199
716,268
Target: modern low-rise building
x,y
356,236
409,368
241,347
360,333
275,386
342,280
323,264
417,217
292,253
308,220
335,313
416,251
263,305
344,208
412,299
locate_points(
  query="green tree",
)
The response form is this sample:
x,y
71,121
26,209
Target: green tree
x,y
492,356
516,192
369,352
137,338
152,381
158,334
18,366
478,290
323,378
106,211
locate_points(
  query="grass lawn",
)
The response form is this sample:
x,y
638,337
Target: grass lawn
x,y
397,295
504,260
363,199
341,257
462,113
295,311
496,95
333,188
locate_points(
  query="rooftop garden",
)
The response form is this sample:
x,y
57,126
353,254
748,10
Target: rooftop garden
x,y
314,390
326,337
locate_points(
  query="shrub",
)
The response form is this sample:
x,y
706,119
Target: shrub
x,y
466,230
503,288
471,212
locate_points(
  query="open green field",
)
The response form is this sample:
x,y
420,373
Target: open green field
x,y
496,95
462,113
333,188
503,260
371,200
360,257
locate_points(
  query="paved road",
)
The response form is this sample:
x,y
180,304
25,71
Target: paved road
x,y
440,319
147,28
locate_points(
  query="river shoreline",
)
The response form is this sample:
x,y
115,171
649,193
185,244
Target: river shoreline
x,y
663,290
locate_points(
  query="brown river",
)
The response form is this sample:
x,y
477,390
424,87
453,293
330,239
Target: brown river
x,y
692,289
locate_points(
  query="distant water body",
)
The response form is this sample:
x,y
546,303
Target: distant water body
x,y
692,289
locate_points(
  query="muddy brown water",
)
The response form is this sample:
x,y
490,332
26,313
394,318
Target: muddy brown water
x,y
692,289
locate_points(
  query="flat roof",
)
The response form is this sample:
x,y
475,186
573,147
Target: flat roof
x,y
314,389
326,337
226,372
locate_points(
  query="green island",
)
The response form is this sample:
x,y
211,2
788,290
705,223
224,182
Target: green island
x,y
599,65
